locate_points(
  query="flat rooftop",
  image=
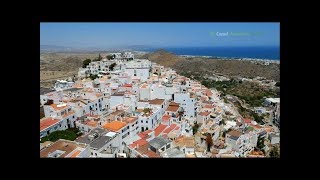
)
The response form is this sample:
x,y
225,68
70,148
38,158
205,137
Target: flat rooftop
x,y
64,146
97,142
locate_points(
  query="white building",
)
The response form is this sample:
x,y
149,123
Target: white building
x,y
102,143
187,104
138,68
243,144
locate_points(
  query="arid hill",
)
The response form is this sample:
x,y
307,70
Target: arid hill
x,y
207,66
163,57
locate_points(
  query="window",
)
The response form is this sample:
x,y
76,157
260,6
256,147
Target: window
x,y
168,146
73,117
147,122
141,121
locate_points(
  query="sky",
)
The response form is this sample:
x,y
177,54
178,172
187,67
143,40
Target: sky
x,y
108,35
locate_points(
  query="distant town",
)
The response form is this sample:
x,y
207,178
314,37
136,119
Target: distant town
x,y
119,106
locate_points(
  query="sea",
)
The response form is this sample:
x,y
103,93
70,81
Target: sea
x,y
257,52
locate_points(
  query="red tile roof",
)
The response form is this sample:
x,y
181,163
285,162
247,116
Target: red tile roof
x,y
75,154
247,120
68,114
144,134
130,119
152,154
156,101
208,106
127,85
204,113
137,143
47,122
172,126
159,129
91,123
174,104
114,125
55,107
165,117
172,108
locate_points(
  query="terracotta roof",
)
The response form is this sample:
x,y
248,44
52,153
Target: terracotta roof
x,y
127,85
130,119
75,154
62,145
152,154
117,112
91,123
208,92
204,113
139,143
156,101
174,104
208,106
99,95
68,114
47,122
247,120
143,148
235,133
184,141
256,126
172,126
114,125
203,98
55,107
144,134
166,117
172,108
159,129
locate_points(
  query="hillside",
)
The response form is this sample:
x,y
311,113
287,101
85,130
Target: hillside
x,y
205,66
163,57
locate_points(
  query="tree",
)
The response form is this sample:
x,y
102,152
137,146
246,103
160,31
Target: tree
x,y
66,134
260,143
111,56
195,128
222,122
100,57
86,62
49,102
209,141
111,67
93,77
147,110
274,153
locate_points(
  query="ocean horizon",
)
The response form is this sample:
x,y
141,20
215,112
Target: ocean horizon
x,y
257,52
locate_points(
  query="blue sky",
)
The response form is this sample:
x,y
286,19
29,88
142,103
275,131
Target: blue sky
x,y
104,35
